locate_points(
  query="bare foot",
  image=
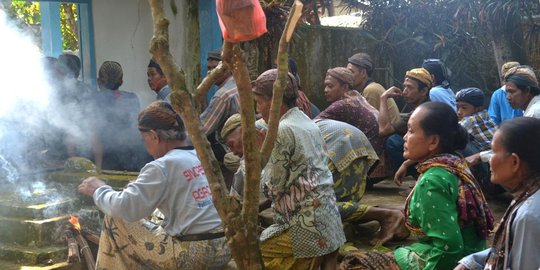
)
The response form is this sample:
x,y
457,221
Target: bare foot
x,y
391,226
402,233
406,192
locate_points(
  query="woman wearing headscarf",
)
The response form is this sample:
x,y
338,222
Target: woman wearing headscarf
x,y
515,164
351,107
523,91
191,234
446,210
307,229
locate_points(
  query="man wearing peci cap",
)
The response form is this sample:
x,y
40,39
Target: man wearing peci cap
x,y
481,128
475,119
224,103
499,108
361,66
213,59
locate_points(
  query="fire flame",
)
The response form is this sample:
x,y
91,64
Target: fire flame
x,y
75,222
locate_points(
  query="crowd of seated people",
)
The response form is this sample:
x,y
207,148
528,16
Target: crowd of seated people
x,y
454,147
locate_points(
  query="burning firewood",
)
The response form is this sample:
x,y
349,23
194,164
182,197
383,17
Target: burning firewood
x,y
90,236
73,247
83,244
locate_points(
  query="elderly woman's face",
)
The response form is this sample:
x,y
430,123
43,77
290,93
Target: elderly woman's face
x,y
503,165
151,141
517,98
418,146
333,89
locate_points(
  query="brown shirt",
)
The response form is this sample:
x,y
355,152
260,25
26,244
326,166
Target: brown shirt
x,y
373,92
401,125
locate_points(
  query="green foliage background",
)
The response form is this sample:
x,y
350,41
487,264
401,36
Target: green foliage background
x,y
26,15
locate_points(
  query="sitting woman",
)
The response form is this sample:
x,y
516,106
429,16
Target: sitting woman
x,y
446,209
515,164
307,229
191,235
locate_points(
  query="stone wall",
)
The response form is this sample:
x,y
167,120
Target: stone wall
x,y
318,48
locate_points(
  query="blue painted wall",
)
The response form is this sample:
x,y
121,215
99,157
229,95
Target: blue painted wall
x,y
210,34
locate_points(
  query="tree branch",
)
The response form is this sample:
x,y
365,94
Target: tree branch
x,y
206,84
233,56
281,81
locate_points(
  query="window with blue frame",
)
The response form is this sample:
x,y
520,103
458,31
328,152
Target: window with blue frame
x,y
60,26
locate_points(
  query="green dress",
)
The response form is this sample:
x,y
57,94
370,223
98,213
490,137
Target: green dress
x,y
432,207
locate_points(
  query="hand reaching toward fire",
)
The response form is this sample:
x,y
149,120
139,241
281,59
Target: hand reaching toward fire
x,y
89,185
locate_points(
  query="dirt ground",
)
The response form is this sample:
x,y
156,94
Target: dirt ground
x,y
387,193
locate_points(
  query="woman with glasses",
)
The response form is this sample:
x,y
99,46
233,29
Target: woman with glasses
x,y
191,235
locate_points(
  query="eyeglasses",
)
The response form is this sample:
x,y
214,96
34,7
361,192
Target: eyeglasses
x,y
144,129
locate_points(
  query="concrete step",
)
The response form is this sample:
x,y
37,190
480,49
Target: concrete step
x,y
42,232
4,265
27,255
13,209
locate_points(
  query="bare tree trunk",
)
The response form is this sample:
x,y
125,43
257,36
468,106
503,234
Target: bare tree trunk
x,y
232,56
240,224
206,84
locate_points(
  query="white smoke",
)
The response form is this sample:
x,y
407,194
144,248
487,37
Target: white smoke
x,y
24,94
21,71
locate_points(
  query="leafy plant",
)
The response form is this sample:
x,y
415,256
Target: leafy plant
x,y
27,16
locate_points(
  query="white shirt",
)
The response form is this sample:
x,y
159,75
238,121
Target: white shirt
x,y
176,185
533,109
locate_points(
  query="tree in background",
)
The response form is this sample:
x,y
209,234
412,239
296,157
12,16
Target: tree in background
x,y
466,34
27,16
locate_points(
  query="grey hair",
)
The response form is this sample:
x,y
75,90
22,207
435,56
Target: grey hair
x,y
171,134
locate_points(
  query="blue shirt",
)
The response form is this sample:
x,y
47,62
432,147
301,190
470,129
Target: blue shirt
x,y
499,108
164,94
445,95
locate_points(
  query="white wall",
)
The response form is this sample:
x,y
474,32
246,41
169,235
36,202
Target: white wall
x,y
122,32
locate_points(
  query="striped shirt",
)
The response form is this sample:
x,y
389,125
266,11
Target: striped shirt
x,y
223,104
